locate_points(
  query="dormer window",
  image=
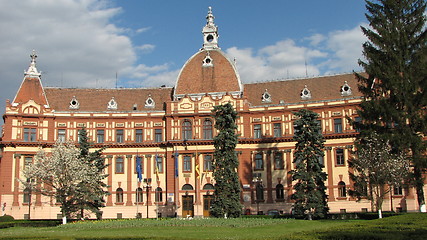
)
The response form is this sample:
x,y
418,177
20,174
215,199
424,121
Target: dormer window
x,y
149,102
207,62
305,93
112,104
266,97
74,103
345,90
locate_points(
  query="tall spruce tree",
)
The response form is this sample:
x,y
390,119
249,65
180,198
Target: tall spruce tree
x,y
227,188
396,80
90,196
310,191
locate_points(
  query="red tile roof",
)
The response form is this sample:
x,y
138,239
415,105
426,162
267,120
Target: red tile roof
x,y
321,88
30,89
96,100
195,78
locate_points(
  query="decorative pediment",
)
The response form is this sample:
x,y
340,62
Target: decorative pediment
x,y
207,61
345,90
266,97
74,103
305,93
112,104
149,102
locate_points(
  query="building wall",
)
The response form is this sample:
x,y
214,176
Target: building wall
x,y
196,148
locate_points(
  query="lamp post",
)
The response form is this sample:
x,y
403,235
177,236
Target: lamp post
x,y
147,187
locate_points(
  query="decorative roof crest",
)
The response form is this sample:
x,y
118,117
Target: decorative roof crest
x,y
32,70
210,32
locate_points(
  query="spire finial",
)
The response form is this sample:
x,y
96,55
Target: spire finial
x,y
32,70
210,32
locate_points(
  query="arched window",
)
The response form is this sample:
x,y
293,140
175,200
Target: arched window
x,y
207,129
187,187
159,196
208,186
119,195
139,195
259,192
187,130
342,191
280,193
27,196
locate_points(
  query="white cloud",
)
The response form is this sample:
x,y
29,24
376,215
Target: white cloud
x,y
346,48
142,30
335,52
146,48
76,43
284,59
316,39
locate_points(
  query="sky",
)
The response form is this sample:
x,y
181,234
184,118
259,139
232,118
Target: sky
x,y
145,43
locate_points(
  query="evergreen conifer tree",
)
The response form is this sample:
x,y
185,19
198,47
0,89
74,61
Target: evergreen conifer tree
x,y
310,191
396,79
91,195
227,188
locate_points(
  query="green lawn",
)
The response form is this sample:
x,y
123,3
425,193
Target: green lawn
x,y
409,226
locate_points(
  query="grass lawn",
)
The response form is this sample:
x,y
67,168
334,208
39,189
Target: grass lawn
x,y
408,226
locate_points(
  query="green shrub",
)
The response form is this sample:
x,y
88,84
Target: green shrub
x,y
30,223
6,224
6,218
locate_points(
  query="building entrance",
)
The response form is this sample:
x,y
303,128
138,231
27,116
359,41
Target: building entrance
x,y
187,206
207,200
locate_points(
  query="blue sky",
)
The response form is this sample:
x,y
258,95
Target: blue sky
x,y
83,43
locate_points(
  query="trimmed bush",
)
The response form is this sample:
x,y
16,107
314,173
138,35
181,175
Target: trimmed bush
x,y
6,218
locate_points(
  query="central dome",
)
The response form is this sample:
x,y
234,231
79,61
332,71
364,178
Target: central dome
x,y
208,71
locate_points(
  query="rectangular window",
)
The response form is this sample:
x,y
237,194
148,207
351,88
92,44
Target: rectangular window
x,y
207,129
397,190
61,135
277,128
257,131
259,163
138,135
28,160
119,136
30,134
120,165
100,135
338,125
158,136
321,160
207,163
186,165
357,120
159,164
278,161
339,154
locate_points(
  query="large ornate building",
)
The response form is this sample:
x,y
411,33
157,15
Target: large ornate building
x,y
171,129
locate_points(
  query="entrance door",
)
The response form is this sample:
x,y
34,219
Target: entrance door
x,y
207,200
187,206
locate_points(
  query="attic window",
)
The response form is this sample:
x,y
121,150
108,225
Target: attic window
x,y
135,107
112,104
74,103
345,90
207,62
149,103
305,93
266,97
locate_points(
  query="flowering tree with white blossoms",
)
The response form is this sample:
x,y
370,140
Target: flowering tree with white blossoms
x,y
376,170
59,174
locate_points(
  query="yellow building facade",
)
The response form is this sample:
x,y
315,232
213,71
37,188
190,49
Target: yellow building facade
x,y
171,130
